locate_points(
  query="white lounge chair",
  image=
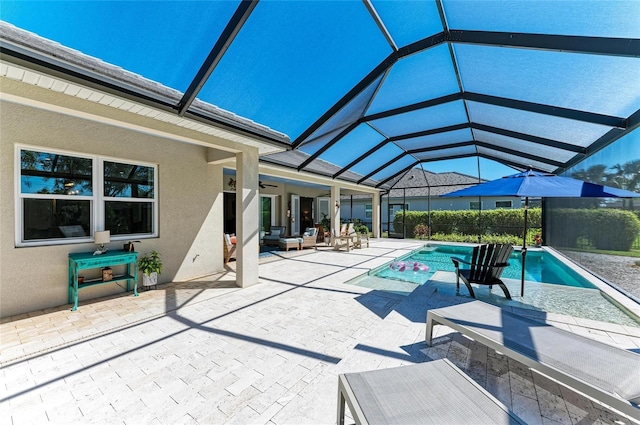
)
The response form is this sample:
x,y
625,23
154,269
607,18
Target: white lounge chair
x,y
606,373
435,392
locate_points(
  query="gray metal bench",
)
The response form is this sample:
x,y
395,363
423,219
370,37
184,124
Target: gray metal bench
x,y
435,392
607,374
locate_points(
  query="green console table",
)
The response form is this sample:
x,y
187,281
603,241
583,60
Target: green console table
x,y
86,260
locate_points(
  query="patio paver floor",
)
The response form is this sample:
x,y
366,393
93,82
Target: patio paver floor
x,y
207,352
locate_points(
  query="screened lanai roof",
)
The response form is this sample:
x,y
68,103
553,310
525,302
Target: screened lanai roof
x,y
367,90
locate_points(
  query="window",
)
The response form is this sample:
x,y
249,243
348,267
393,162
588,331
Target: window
x,y
368,210
58,199
129,198
475,205
503,204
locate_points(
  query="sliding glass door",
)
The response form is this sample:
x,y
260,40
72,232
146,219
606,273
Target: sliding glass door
x,y
267,212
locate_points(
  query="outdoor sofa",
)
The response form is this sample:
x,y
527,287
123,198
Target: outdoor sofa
x,y
606,373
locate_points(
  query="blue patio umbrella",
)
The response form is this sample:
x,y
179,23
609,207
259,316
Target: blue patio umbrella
x,y
533,184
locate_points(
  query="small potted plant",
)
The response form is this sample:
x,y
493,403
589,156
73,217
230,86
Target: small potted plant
x,y
151,266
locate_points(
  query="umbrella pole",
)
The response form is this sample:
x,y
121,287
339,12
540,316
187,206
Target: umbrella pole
x,y
524,244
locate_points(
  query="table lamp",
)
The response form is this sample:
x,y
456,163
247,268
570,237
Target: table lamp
x,y
102,238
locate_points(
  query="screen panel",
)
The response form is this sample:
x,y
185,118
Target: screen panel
x,y
350,112
531,148
147,38
353,145
439,139
593,83
447,114
422,76
525,162
312,146
409,21
397,166
446,152
293,61
375,160
569,17
577,133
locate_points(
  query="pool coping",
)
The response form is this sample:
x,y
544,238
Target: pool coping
x,y
606,288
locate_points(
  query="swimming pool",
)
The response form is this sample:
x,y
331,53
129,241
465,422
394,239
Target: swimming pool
x,y
552,286
540,266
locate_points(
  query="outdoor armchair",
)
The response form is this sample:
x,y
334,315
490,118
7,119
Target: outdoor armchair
x,y
356,238
485,268
309,237
229,248
273,238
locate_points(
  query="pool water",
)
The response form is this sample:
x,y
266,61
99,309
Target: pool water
x,y
552,286
540,266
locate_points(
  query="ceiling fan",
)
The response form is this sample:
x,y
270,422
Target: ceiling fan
x,y
264,185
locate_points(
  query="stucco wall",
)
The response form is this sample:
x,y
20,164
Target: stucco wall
x,y
189,194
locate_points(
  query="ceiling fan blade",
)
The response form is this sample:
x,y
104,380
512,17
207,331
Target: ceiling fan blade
x,y
264,185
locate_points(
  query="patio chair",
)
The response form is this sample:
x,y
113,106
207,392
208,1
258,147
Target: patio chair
x,y
309,237
357,239
363,238
274,236
229,248
485,268
339,241
434,392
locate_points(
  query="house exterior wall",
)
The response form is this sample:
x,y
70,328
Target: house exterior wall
x,y
356,209
189,194
450,204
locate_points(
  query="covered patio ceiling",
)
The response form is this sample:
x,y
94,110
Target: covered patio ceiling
x,y
367,90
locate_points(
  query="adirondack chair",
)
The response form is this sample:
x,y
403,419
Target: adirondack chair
x,y
485,268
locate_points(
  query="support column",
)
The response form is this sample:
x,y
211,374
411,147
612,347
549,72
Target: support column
x,y
247,218
334,209
375,215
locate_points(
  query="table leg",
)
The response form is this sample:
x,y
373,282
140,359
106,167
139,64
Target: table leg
x,y
75,291
135,279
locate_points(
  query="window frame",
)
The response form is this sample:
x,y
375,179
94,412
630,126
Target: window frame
x,y
101,218
501,207
368,210
97,200
480,205
273,210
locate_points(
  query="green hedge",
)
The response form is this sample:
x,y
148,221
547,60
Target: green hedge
x,y
467,222
505,239
606,229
